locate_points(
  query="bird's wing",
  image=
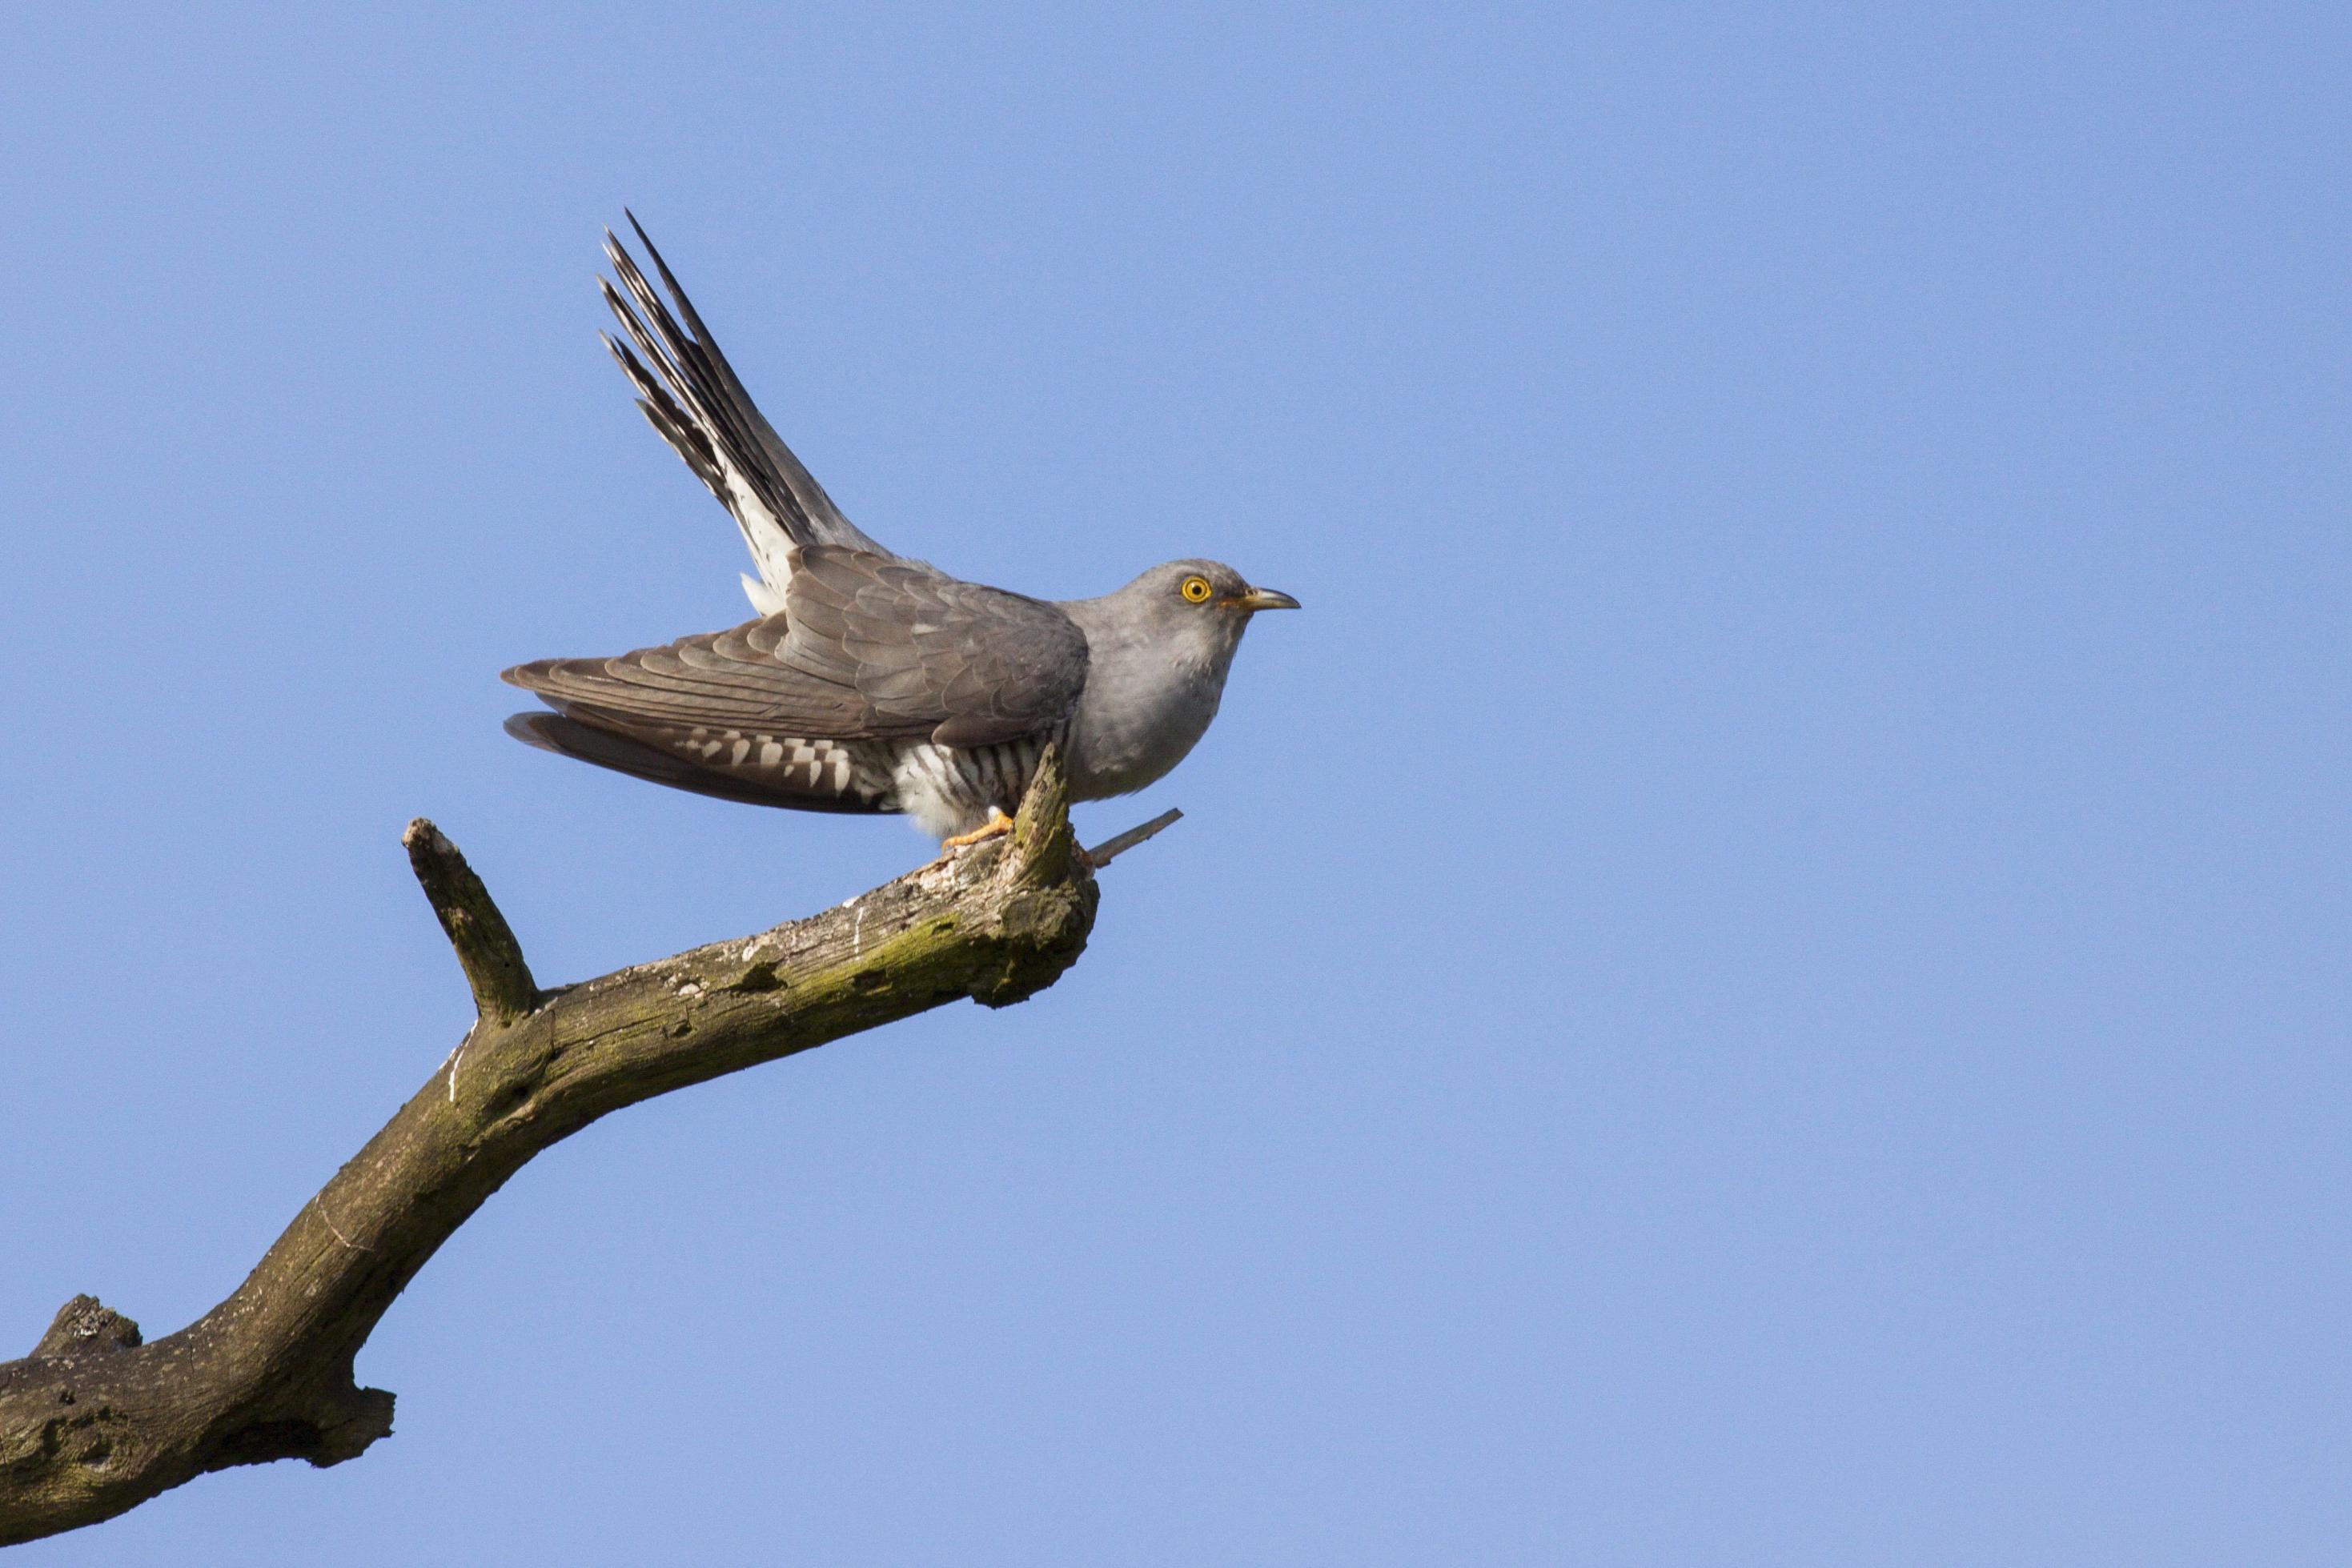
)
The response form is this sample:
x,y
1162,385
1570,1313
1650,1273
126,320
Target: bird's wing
x,y
691,395
869,648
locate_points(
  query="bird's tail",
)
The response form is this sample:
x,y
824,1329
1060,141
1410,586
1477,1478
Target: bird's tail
x,y
567,735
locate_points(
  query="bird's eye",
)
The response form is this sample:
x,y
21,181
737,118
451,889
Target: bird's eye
x,y
1195,591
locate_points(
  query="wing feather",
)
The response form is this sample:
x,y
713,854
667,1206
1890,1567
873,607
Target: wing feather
x,y
869,648
696,402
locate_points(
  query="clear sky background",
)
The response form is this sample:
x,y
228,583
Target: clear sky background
x,y
1758,979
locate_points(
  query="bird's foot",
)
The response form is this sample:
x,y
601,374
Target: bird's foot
x,y
996,827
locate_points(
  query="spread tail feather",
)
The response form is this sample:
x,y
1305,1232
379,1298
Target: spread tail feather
x,y
567,736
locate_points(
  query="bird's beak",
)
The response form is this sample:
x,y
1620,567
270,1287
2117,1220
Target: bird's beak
x,y
1264,599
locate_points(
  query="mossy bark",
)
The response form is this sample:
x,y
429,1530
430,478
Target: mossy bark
x,y
95,1422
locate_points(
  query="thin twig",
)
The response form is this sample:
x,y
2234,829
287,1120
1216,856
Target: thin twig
x,y
1103,854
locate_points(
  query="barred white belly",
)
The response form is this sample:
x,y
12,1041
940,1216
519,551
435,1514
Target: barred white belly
x,y
948,789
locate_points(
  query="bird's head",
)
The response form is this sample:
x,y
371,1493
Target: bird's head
x,y
1203,603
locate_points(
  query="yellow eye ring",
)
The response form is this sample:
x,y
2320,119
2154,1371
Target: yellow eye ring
x,y
1195,590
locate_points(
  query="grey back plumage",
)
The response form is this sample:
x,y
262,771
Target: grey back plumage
x,y
868,647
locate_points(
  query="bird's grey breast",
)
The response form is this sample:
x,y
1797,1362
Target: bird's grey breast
x,y
1151,689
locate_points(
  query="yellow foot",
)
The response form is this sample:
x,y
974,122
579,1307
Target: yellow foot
x,y
996,827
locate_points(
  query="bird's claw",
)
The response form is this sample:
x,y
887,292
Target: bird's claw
x,y
996,827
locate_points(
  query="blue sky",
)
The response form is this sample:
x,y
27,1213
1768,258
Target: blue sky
x,y
1760,978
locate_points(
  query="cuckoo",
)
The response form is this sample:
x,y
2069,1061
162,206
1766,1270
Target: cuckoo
x,y
870,682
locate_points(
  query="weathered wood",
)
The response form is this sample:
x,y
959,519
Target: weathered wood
x,y
485,944
94,1422
1109,850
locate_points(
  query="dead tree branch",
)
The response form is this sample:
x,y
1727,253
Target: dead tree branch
x,y
94,1422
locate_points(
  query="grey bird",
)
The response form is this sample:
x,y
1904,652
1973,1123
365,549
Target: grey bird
x,y
869,681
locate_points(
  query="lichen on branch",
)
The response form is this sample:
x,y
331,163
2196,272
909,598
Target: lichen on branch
x,y
94,1422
